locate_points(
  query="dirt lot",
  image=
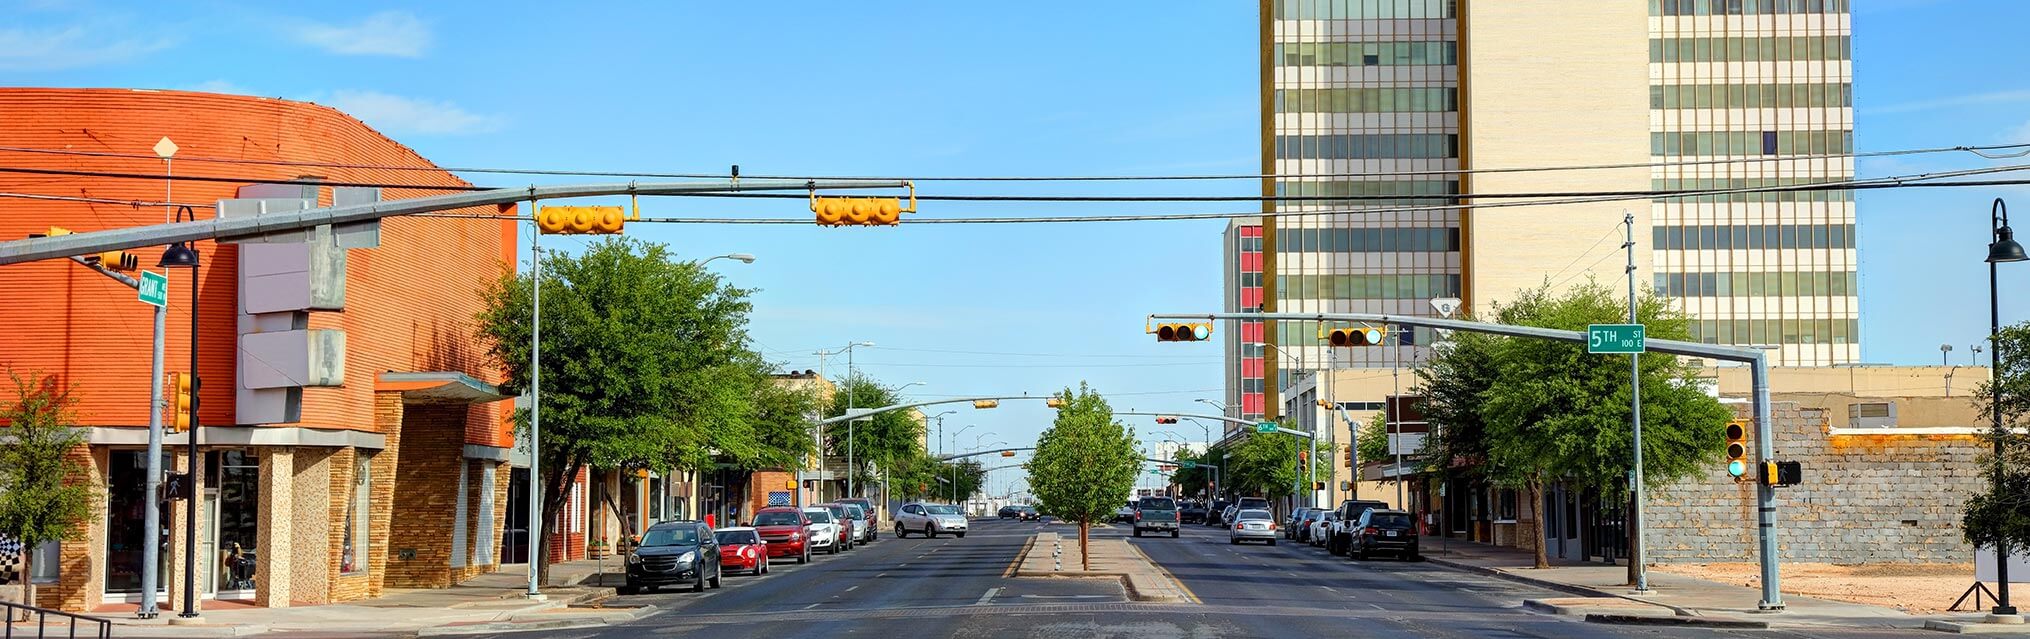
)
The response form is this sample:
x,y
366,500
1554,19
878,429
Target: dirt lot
x,y
1915,588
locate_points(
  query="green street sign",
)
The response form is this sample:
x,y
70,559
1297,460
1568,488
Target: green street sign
x,y
1187,465
1265,427
154,288
1155,471
1615,338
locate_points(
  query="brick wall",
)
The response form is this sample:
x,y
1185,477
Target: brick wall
x,y
344,586
426,496
388,413
760,484
274,541
80,580
1865,498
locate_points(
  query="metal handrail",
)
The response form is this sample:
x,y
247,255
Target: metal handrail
x,y
42,621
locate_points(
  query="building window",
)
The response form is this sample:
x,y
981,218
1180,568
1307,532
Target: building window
x,y
1368,100
48,562
353,549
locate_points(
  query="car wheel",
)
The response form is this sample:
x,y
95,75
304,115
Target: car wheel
x,y
1359,554
805,557
961,535
900,532
1233,540
699,586
930,532
1173,534
1272,541
629,589
1138,532
832,549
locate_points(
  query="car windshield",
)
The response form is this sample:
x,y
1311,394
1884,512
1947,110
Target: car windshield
x,y
1159,503
941,509
737,537
854,511
819,516
777,519
1252,514
673,536
1025,509
1389,520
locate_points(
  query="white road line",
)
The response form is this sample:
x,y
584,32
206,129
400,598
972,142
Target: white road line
x,y
1377,607
881,575
1328,588
813,605
852,589
987,598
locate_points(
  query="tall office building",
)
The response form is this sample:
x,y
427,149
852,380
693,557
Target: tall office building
x,y
1408,105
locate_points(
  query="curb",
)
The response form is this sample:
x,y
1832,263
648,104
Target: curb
x,y
1976,628
1674,621
1533,581
594,620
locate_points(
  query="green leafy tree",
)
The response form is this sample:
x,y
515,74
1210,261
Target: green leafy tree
x,y
1194,481
1372,442
1556,412
646,365
1269,464
2003,515
1453,383
881,441
45,486
1084,464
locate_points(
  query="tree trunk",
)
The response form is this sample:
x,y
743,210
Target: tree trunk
x,y
1543,558
557,493
1085,559
27,581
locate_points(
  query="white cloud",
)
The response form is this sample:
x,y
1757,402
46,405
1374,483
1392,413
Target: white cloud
x,y
2019,134
391,33
397,114
1993,97
52,49
219,86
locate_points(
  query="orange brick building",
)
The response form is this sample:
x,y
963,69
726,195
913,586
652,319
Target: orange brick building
x,y
395,475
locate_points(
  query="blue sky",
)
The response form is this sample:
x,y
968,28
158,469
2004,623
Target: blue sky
x,y
970,89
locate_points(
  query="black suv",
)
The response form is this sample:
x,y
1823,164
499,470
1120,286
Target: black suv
x,y
1390,531
1191,513
674,552
1214,512
1349,512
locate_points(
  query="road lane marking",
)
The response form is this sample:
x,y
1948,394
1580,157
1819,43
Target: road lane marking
x,y
987,598
1328,588
852,589
814,605
881,575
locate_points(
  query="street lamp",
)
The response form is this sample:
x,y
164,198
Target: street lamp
x,y
955,466
745,258
848,350
2003,248
184,255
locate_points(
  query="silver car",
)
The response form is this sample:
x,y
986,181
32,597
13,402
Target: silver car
x,y
1252,525
930,520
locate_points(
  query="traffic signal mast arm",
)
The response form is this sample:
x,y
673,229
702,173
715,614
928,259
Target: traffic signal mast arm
x,y
42,248
1251,424
1757,360
981,402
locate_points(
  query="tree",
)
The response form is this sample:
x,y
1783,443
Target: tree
x,y
1372,442
1266,464
45,490
1084,464
1553,411
1196,479
646,365
2003,515
1453,383
882,440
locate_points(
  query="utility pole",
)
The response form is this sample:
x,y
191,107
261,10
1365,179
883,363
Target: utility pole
x,y
1635,554
151,518
535,544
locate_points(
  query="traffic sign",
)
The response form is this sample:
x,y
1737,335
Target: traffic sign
x,y
1615,338
1187,465
1265,427
154,288
1446,306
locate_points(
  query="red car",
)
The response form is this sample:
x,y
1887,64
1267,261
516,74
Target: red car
x,y
742,549
782,528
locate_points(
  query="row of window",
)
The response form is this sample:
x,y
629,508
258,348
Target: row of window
x,y
1382,100
1750,96
1785,284
1367,240
1754,236
1776,331
1429,146
1389,191
1743,7
1839,142
1351,286
1362,9
1367,54
1723,184
1750,49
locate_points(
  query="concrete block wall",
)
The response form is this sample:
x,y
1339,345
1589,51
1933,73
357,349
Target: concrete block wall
x,y
1865,498
426,496
310,514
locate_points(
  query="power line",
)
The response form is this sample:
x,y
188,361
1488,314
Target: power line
x,y
1091,355
101,200
1137,365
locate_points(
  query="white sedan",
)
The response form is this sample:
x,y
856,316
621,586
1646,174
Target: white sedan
x,y
823,531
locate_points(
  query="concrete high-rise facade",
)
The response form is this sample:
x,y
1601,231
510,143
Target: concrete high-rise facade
x,y
1400,109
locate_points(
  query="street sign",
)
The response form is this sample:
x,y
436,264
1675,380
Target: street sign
x,y
1187,465
154,288
1614,338
1446,306
1265,427
1155,471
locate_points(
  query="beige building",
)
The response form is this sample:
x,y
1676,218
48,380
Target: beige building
x,y
1390,110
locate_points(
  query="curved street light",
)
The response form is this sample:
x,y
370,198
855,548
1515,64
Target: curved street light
x,y
745,258
2001,248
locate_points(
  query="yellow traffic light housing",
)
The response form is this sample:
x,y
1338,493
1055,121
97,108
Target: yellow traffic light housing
x,y
1183,332
1166,420
118,261
54,231
581,220
1354,336
861,211
1737,449
182,401
1054,402
1007,453
986,403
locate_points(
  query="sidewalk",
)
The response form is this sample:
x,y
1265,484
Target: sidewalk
x,y
1049,555
1602,589
487,603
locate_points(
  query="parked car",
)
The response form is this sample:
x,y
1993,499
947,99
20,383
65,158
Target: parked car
x,y
1342,528
1192,512
863,527
742,549
786,530
845,524
1290,523
1252,525
1227,516
1251,503
1027,513
824,531
929,520
873,515
1304,526
1321,528
1125,514
1390,531
1156,514
673,552
1215,514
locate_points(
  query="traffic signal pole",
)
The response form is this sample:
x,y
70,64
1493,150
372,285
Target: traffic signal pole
x,y
1757,360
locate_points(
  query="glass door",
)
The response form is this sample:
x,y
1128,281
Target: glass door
x,y
236,524
126,507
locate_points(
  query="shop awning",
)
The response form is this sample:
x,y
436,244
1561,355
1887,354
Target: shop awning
x,y
438,387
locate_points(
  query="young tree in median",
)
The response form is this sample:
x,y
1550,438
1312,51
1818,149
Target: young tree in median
x,y
2003,515
45,492
1084,464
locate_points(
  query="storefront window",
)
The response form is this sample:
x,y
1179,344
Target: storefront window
x,y
237,475
126,477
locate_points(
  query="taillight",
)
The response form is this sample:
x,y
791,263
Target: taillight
x,y
1272,525
1138,515
1371,530
1240,526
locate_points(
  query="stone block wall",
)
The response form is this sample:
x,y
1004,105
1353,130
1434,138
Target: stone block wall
x,y
426,496
1865,498
81,579
310,514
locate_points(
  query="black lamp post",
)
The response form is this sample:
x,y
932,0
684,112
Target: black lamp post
x,y
2002,249
183,255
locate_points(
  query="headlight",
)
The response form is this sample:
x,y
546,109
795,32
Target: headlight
x,y
687,557
633,559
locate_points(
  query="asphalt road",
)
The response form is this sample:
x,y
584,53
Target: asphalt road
x,y
950,587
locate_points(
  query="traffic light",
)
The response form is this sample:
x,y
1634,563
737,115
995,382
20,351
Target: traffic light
x,y
54,231
1362,336
1007,453
1054,402
182,401
1347,456
858,211
1197,332
1303,456
1777,474
118,261
581,220
1737,449
1166,420
1318,485
986,403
